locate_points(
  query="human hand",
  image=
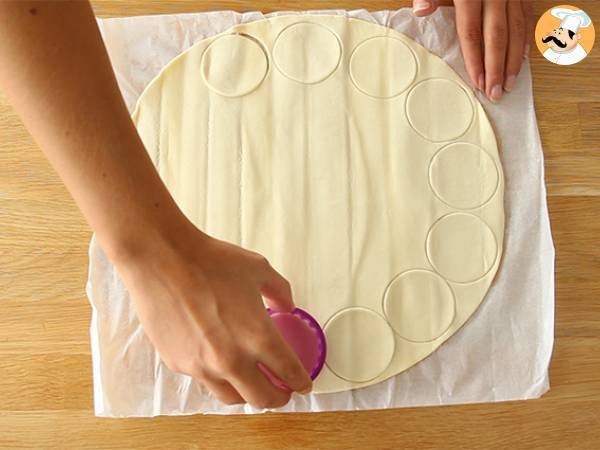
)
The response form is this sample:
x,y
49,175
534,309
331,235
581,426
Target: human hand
x,y
494,37
198,299
199,302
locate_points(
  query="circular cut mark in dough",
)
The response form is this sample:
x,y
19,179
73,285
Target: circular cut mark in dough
x,y
234,65
419,305
382,67
439,109
463,175
307,52
461,247
360,344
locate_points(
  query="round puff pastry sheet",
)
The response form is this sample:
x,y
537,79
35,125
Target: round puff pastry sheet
x,y
357,162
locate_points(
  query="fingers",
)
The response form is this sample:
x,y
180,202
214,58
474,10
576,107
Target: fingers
x,y
529,26
469,28
516,44
230,370
424,7
273,351
219,387
504,28
495,38
254,386
276,290
222,389
280,359
271,348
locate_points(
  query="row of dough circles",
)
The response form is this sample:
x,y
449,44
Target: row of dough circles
x,y
234,65
418,305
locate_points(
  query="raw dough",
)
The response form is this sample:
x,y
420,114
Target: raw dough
x,y
307,52
419,305
234,65
447,241
382,67
463,175
439,109
366,336
360,164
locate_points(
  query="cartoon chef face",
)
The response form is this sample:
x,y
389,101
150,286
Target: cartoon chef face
x,y
561,40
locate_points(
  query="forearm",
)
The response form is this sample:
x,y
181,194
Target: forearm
x,y
56,73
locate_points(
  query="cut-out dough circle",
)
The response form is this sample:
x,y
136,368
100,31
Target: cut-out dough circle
x,y
419,305
461,247
307,52
360,344
463,175
330,183
382,67
439,109
234,65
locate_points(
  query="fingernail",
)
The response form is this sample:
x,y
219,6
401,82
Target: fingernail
x,y
496,93
421,5
305,391
509,83
526,51
481,82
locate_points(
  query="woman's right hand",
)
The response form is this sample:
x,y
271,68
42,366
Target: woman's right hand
x,y
200,302
198,299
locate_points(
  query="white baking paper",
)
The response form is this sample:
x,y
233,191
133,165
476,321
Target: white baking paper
x,y
502,352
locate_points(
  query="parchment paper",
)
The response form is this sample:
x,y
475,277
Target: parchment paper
x,y
502,352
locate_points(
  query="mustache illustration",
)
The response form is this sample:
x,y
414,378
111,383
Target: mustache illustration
x,y
556,41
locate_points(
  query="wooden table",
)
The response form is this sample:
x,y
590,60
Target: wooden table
x,y
45,365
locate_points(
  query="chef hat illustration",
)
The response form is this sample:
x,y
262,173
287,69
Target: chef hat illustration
x,y
572,20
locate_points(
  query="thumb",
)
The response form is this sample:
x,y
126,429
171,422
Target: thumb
x,y
277,291
424,7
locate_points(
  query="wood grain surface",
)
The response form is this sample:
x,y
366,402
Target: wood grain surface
x,y
45,365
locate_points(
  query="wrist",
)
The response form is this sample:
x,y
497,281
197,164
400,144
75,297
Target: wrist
x,y
150,238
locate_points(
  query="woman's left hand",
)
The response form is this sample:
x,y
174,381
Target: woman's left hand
x,y
494,37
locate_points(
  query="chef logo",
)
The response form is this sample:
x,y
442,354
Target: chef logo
x,y
565,35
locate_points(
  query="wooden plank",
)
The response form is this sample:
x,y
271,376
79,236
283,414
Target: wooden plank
x,y
576,231
45,381
38,326
560,128
589,113
573,175
542,425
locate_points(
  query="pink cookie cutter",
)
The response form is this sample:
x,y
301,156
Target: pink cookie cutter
x,y
304,334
